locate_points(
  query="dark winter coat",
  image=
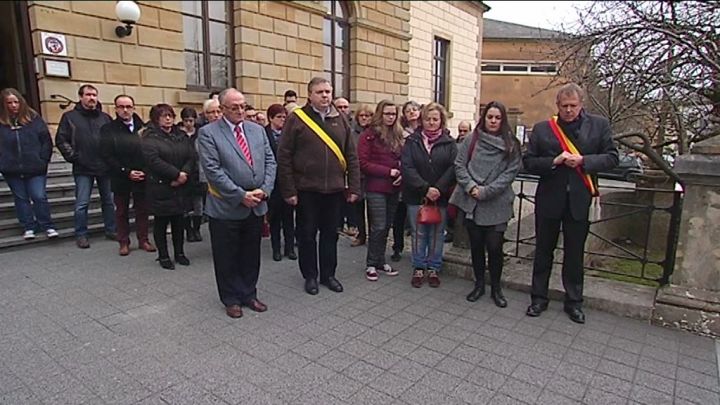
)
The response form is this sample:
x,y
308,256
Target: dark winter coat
x,y
422,170
122,152
306,163
166,155
197,189
376,161
78,139
25,150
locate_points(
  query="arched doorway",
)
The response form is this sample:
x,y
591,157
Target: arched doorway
x,y
16,57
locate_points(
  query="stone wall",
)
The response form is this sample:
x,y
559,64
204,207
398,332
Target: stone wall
x,y
461,25
148,65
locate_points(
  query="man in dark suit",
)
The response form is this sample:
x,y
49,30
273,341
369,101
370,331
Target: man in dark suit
x,y
239,165
564,193
120,148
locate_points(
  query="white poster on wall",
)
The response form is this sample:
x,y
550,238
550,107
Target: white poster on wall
x,y
53,44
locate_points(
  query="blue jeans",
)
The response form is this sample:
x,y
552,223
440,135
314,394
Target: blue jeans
x,y
83,189
31,203
427,240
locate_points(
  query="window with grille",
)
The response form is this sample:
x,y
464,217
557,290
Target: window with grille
x,y
336,48
440,70
207,31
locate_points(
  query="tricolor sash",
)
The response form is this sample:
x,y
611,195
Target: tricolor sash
x,y
569,147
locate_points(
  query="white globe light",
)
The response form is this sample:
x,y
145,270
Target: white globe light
x,y
127,12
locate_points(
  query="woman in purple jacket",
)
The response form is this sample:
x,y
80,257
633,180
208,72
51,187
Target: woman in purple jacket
x,y
379,152
25,150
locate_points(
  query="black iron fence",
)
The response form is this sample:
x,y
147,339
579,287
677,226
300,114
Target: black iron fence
x,y
634,240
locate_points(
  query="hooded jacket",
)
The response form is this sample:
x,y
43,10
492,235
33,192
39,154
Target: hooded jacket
x,y
25,150
78,139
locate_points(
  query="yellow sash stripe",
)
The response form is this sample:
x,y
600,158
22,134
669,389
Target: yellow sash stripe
x,y
323,135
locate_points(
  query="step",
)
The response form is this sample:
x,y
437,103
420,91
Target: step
x,y
10,243
62,220
53,177
55,190
60,204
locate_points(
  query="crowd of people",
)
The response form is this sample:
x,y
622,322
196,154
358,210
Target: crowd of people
x,y
307,172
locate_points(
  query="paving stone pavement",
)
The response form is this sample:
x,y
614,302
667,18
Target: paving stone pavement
x,y
90,327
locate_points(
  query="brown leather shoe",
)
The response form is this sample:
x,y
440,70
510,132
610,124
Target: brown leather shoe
x,y
256,305
433,279
418,278
233,311
124,249
147,246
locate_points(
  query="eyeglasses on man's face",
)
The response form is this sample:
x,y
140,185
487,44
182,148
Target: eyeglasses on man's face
x,y
234,108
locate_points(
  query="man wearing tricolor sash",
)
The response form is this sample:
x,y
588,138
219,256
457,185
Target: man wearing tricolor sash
x,y
566,151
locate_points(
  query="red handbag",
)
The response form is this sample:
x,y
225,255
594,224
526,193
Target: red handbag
x,y
429,213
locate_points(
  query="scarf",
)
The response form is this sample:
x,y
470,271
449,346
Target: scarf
x,y
432,136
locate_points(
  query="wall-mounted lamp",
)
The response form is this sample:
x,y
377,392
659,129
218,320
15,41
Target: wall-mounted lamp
x,y
127,12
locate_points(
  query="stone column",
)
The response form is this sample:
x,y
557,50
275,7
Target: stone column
x,y
692,299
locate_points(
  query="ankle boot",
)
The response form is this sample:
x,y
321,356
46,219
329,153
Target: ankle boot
x,y
498,296
187,223
196,222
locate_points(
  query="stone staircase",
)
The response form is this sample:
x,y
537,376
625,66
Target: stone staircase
x,y
61,194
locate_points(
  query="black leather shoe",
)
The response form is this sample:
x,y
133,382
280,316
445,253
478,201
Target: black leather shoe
x,y
498,297
575,314
181,259
311,286
290,254
535,310
277,256
333,284
475,294
166,263
396,256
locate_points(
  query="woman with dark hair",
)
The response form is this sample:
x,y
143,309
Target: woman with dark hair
x,y
193,220
25,150
379,152
281,215
428,176
410,121
170,159
486,166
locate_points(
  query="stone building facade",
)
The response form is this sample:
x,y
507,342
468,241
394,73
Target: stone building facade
x,y
519,70
179,51
447,33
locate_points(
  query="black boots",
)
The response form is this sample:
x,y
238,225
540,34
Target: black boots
x,y
192,228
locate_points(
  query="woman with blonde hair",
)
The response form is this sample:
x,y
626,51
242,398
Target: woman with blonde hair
x,y
25,151
379,152
428,174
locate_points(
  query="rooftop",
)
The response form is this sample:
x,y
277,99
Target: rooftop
x,y
494,29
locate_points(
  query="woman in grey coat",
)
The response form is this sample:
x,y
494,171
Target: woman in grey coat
x,y
485,167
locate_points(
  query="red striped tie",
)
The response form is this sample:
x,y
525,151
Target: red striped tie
x,y
242,143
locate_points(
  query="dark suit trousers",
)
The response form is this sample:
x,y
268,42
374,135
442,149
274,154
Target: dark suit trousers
x,y
318,212
281,216
575,233
236,255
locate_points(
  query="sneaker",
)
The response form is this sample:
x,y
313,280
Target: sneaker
x,y
371,273
389,271
418,278
433,279
28,235
51,233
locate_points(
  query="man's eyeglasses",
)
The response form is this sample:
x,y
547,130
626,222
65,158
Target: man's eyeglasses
x,y
463,131
124,107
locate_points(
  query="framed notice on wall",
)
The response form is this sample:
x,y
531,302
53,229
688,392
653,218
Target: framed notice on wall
x,y
56,68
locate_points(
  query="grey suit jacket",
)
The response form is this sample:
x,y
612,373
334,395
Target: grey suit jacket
x,y
229,174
